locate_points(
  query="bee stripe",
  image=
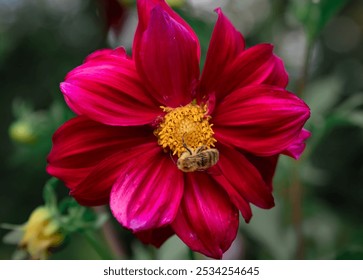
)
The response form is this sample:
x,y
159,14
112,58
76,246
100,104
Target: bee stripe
x,y
203,160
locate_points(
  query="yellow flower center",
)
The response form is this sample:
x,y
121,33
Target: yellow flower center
x,y
188,125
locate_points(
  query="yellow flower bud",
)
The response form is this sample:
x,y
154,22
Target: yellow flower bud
x,y
22,132
41,233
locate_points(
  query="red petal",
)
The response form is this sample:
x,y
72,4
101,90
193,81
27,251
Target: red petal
x,y
155,237
225,45
254,66
102,53
114,14
239,201
207,221
263,120
95,189
266,166
246,182
144,8
298,146
107,88
148,192
258,65
167,59
81,144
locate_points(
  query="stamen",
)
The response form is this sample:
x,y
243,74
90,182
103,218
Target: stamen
x,y
185,126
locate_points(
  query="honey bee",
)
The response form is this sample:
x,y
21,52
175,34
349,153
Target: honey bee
x,y
197,160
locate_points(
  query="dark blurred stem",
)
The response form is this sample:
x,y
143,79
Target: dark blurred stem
x,y
153,253
297,192
301,83
96,245
296,198
191,254
110,234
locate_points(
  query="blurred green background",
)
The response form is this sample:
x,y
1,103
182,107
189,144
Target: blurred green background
x,y
319,200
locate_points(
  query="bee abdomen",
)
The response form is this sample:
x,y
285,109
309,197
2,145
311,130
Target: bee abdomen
x,y
208,158
214,154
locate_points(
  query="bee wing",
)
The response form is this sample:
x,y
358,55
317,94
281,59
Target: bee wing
x,y
172,157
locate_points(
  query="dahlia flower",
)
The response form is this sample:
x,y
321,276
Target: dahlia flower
x,y
140,117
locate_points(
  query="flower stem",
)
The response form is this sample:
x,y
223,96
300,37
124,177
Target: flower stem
x,y
296,198
110,234
153,253
191,254
95,244
301,83
296,191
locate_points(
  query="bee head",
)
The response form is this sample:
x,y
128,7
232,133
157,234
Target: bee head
x,y
185,164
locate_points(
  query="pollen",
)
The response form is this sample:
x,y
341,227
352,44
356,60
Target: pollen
x,y
187,125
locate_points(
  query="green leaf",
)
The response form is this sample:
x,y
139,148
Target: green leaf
x,y
67,203
323,95
19,255
13,237
315,14
349,111
9,226
351,103
75,217
49,195
356,118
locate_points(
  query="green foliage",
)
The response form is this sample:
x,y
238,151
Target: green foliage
x,y
71,216
32,130
68,215
315,14
37,50
353,254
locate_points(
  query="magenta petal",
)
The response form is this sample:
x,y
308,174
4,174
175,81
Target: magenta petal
x,y
207,221
257,65
156,236
254,66
107,88
273,73
102,53
263,120
144,8
95,189
148,192
246,182
114,14
270,71
266,166
239,201
167,59
225,45
81,144
298,146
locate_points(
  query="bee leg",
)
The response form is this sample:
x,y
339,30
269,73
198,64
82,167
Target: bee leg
x,y
200,149
185,146
171,156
